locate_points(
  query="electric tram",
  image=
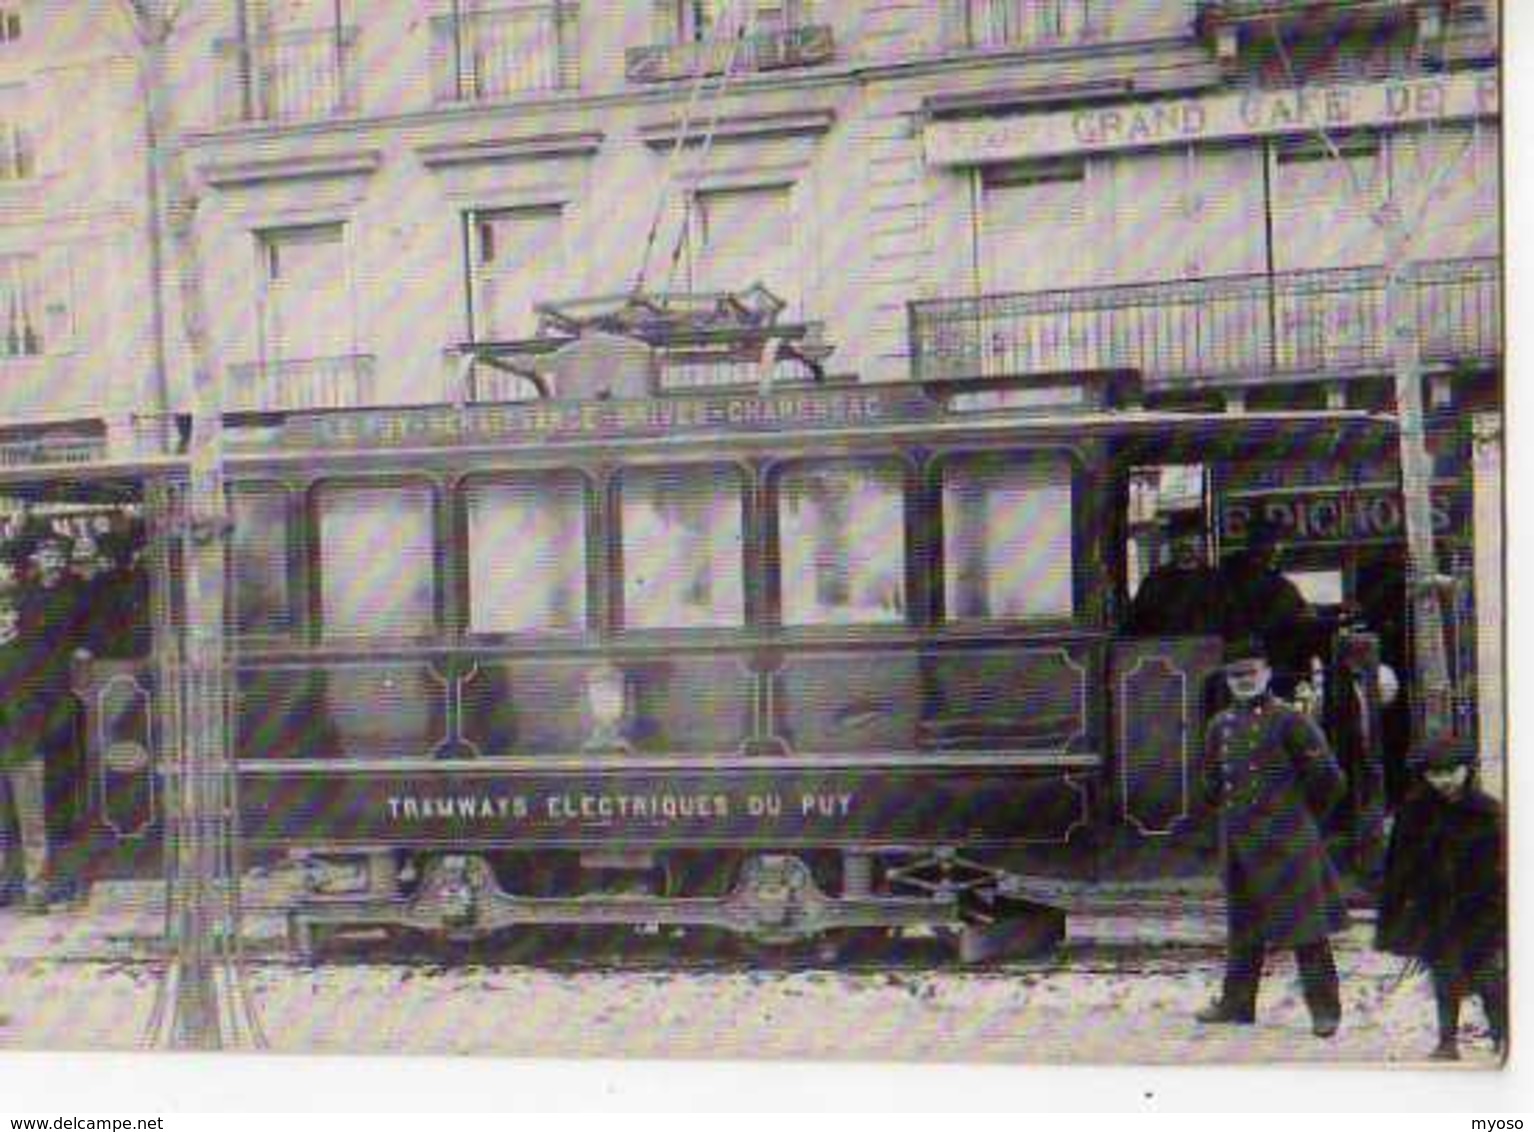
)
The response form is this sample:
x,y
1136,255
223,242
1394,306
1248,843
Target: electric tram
x,y
780,663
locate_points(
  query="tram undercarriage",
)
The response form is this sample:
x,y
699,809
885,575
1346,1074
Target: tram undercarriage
x,y
766,898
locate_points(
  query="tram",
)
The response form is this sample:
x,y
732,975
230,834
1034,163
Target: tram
x,y
784,664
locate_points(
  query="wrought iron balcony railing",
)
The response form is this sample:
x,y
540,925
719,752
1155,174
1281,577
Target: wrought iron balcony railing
x,y
289,77
983,24
498,53
341,382
1233,329
803,46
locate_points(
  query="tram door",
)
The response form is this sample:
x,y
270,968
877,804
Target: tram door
x,y
1163,673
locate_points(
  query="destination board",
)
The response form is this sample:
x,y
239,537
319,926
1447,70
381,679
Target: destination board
x,y
534,421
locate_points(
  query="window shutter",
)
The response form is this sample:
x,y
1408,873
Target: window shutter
x,y
58,296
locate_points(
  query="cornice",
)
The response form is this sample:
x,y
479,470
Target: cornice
x,y
301,167
503,150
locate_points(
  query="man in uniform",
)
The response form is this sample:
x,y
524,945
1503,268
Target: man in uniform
x,y
1179,598
1268,769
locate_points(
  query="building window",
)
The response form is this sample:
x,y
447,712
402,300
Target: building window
x,y
306,305
518,261
1007,539
841,543
739,237
10,25
699,21
1025,23
21,307
527,554
289,60
258,559
683,564
377,560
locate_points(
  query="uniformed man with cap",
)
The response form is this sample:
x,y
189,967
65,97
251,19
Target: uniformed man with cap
x,y
1270,772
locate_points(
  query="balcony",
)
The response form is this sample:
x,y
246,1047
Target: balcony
x,y
341,382
1225,24
1305,325
1023,24
802,46
501,53
299,76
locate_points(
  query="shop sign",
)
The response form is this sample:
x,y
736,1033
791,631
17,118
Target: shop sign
x,y
1353,516
1181,121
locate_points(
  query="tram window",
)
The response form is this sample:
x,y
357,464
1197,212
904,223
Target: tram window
x,y
527,554
683,565
259,561
377,567
1007,539
841,540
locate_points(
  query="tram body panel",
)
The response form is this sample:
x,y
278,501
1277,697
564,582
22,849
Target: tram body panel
x,y
888,642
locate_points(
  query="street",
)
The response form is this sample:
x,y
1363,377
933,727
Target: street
x,y
1124,989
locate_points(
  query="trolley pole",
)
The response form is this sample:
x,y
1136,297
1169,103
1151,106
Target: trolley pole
x,y
1431,714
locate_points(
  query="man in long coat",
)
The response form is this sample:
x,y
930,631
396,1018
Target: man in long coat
x,y
1271,774
50,628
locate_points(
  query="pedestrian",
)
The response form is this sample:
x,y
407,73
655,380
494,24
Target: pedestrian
x,y
1258,600
1444,900
1269,771
50,628
26,864
1177,598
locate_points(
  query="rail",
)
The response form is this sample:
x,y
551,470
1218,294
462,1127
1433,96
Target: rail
x,y
1294,324
341,382
289,76
500,53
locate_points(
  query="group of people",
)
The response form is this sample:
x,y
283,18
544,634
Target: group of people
x,y
1246,595
1273,779
56,608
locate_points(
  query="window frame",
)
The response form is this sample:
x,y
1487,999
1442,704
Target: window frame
x,y
294,579
913,587
461,580
477,310
441,560
616,589
937,544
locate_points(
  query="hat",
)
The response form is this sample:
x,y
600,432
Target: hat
x,y
1238,649
1443,754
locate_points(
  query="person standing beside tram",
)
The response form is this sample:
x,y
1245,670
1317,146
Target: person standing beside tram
x,y
50,624
26,862
1270,773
